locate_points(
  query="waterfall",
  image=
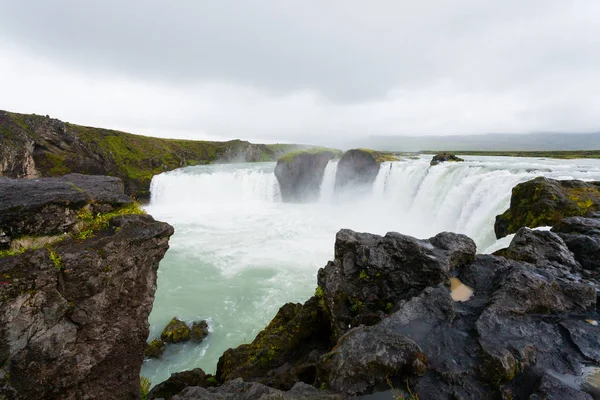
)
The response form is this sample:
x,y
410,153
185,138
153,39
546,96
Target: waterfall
x,y
215,184
407,196
328,184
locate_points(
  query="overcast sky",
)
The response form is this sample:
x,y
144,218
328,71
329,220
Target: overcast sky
x,y
288,70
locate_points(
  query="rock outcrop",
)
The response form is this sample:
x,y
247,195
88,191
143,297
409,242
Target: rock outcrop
x,y
444,157
36,146
371,274
74,313
359,168
300,174
545,202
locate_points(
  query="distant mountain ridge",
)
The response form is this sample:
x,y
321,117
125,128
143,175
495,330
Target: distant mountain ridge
x,y
487,142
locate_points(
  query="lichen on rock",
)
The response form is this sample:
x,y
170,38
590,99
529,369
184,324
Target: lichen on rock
x,y
545,202
176,331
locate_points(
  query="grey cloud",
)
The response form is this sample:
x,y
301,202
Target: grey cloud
x,y
283,69
345,50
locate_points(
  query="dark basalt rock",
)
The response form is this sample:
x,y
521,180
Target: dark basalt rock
x,y
49,206
179,381
285,352
176,331
582,237
237,389
543,248
545,202
155,349
199,330
357,168
444,157
367,356
371,273
300,174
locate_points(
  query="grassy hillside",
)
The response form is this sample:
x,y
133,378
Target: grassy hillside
x,y
53,148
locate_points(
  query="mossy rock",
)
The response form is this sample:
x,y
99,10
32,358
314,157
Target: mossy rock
x,y
176,331
283,353
199,330
544,202
155,349
444,157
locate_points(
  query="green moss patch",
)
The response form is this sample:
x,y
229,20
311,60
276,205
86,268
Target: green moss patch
x,y
313,150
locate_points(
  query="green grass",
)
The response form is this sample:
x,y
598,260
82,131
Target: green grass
x,y
381,156
313,150
542,154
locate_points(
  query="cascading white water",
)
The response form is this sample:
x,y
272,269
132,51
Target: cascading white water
x,y
239,253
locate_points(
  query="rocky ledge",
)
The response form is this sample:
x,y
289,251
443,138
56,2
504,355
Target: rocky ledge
x,y
77,282
432,318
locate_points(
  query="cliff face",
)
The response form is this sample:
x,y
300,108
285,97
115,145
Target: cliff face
x,y
75,297
32,146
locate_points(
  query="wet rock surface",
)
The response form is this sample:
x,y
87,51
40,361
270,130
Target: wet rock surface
x,y
300,174
582,237
545,202
74,314
444,157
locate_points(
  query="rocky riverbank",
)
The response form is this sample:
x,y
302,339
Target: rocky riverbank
x,y
37,146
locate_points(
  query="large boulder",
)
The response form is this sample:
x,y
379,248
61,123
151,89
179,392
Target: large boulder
x,y
544,202
176,331
543,248
74,314
300,174
359,167
370,274
444,157
283,353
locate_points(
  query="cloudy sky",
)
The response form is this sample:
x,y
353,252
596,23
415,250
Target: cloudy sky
x,y
290,70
